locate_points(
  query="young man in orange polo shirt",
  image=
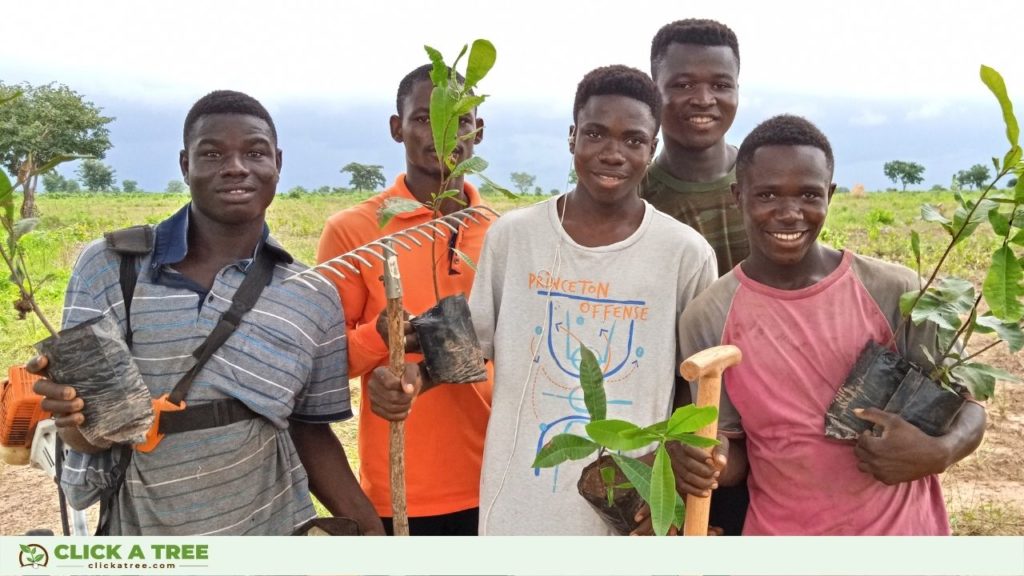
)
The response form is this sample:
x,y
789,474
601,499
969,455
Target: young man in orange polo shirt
x,y
445,435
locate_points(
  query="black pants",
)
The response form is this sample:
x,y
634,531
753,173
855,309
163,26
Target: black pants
x,y
463,523
729,508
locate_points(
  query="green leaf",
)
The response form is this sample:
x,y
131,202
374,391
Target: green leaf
x,y
907,300
470,165
979,215
1000,223
1018,238
997,373
931,213
980,384
928,354
617,435
915,246
564,447
439,73
663,492
447,194
504,191
455,65
1002,287
694,440
944,302
467,103
393,207
27,549
465,258
6,188
481,59
444,124
608,476
1012,157
1018,190
689,418
24,226
1010,332
995,83
995,162
592,382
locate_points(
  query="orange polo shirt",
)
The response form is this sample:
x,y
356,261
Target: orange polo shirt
x,y
444,434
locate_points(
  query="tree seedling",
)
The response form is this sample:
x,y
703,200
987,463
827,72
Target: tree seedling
x,y
655,484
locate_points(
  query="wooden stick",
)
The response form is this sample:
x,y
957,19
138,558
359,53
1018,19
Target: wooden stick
x,y
396,351
706,368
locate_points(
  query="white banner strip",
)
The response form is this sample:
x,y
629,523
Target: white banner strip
x,y
962,556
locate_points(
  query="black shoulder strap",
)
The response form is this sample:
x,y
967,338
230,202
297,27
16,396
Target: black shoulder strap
x,y
248,292
131,243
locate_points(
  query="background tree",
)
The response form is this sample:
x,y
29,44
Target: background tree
x,y
523,181
54,182
175,187
976,176
130,186
904,172
96,176
44,124
367,177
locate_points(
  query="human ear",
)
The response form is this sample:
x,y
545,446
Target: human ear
x,y
479,131
280,163
572,139
735,189
183,164
831,191
395,125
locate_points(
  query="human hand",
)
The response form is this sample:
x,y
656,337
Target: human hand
x,y
60,400
696,471
391,398
412,342
902,453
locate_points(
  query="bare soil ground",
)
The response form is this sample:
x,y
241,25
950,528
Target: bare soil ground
x,y
984,492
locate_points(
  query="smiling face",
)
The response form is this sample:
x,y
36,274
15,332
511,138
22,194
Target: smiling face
x,y
412,128
784,197
613,141
699,94
232,165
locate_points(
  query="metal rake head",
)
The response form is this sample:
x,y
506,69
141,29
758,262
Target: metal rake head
x,y
381,248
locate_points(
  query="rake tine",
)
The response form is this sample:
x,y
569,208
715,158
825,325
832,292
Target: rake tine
x,y
429,237
410,237
366,248
332,270
433,228
359,258
444,223
468,215
388,250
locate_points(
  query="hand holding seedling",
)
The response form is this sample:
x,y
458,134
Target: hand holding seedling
x,y
64,404
903,453
391,398
412,343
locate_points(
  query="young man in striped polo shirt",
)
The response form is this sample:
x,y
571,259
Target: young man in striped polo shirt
x,y
285,363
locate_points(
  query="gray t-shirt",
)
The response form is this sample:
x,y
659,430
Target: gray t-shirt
x,y
537,298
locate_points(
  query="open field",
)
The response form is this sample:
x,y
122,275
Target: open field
x,y
985,492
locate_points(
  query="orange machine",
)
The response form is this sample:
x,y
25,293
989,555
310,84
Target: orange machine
x,y
20,412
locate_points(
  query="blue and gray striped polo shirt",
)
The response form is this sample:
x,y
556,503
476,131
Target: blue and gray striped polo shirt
x,y
287,360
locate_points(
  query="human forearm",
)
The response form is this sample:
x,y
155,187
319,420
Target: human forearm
x,y
965,434
330,476
736,468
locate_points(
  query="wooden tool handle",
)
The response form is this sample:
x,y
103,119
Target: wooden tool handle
x,y
396,363
706,368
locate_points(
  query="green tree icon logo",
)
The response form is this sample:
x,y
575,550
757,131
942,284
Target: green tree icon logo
x,y
33,555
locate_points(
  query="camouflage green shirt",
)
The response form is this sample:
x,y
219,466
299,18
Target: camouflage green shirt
x,y
707,207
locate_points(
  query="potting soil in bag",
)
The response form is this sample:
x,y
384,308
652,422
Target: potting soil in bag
x,y
450,347
870,383
93,358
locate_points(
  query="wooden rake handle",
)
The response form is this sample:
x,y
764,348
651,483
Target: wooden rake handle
x,y
706,367
396,363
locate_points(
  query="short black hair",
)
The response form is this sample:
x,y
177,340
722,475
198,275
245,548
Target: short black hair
x,y
226,102
782,130
692,31
618,80
421,73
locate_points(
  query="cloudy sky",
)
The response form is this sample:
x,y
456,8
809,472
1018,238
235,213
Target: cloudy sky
x,y
885,80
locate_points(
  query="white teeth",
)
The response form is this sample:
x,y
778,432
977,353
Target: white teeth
x,y
701,119
787,237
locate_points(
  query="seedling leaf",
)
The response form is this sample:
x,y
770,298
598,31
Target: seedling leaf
x,y
439,73
24,226
617,435
443,124
694,440
995,83
504,191
639,475
1012,157
915,246
592,382
481,59
663,492
1000,224
930,213
944,302
1010,332
689,418
1002,287
393,207
564,447
469,166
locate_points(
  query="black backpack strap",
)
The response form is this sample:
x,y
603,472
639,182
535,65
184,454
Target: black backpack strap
x,y
256,279
109,494
131,243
